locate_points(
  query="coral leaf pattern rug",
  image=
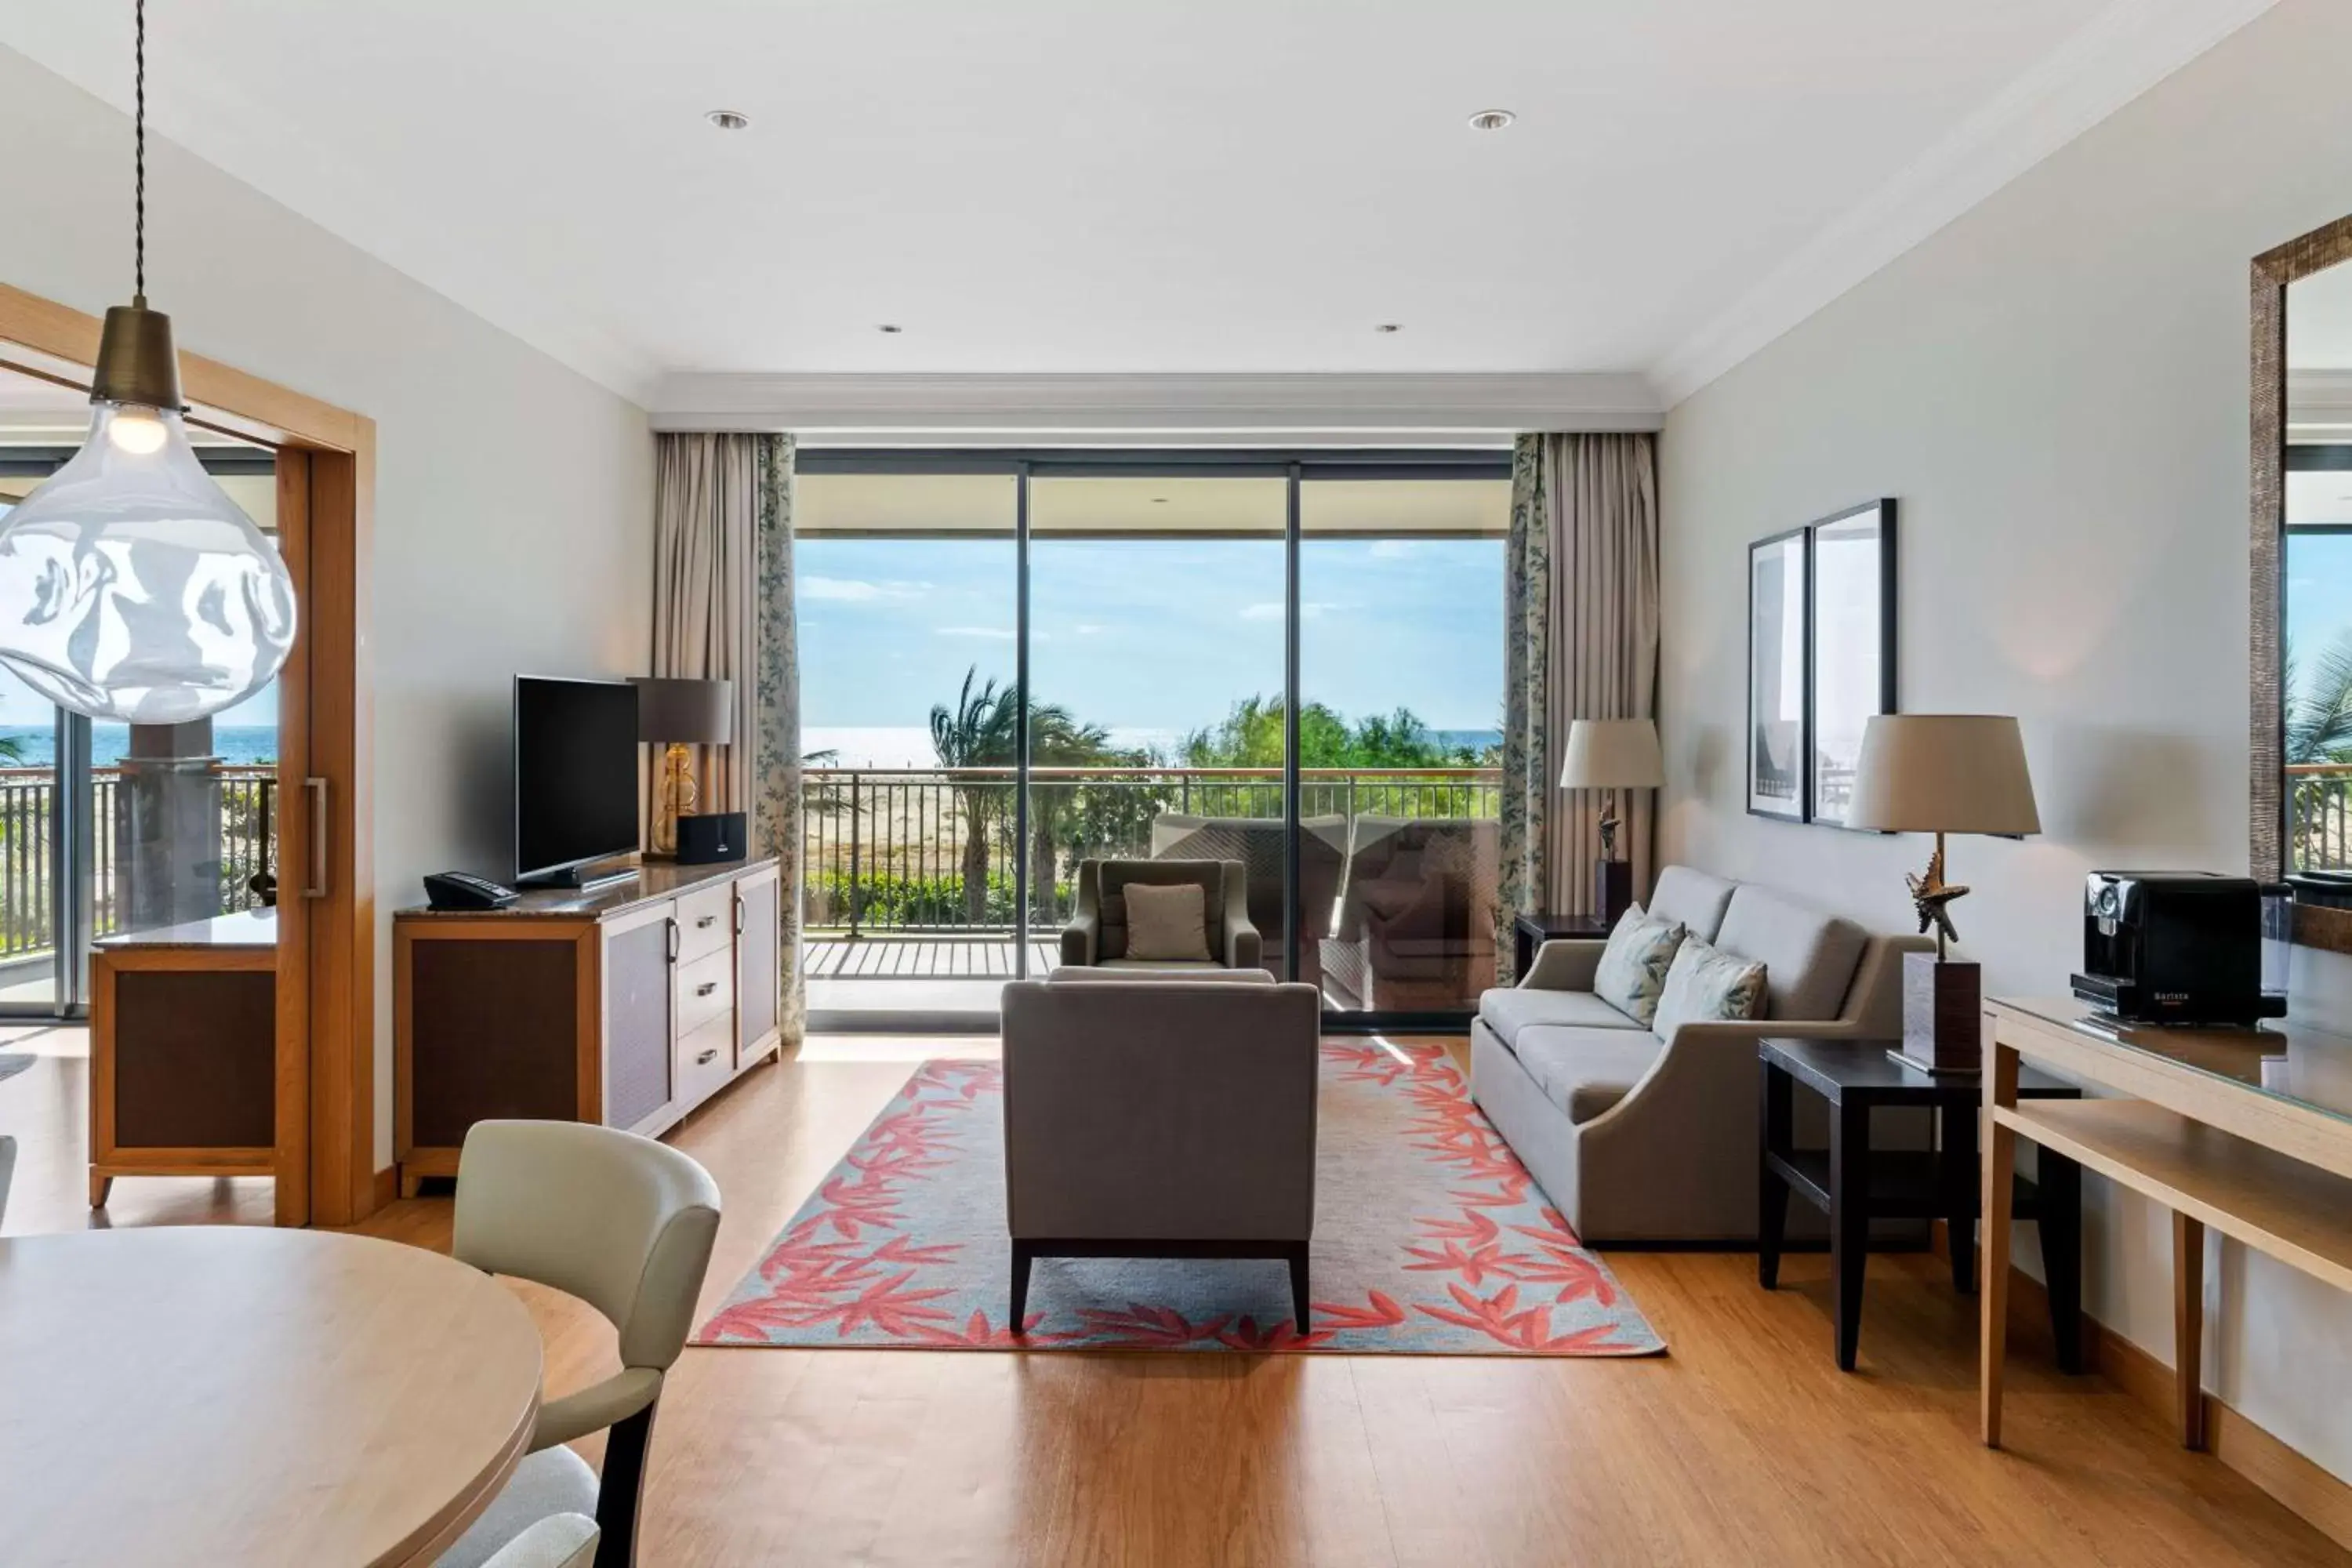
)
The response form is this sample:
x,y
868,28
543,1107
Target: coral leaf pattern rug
x,y
1430,1238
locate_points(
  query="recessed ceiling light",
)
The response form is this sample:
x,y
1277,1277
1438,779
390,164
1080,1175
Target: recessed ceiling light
x,y
729,120
1390,327
1491,118
890,327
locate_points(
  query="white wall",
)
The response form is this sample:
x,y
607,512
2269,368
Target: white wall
x,y
513,498
2055,389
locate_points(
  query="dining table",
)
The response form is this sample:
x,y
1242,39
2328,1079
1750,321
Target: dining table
x,y
247,1394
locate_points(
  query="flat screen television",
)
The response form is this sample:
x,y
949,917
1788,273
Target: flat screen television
x,y
576,767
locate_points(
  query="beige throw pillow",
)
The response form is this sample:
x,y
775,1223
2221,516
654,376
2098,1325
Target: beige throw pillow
x,y
1166,922
1708,985
1632,971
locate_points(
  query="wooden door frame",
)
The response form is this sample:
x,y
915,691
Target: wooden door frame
x,y
327,467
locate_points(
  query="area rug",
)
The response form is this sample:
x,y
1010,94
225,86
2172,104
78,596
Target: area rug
x,y
1430,1239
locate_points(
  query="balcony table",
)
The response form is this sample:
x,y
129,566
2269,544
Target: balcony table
x,y
234,1393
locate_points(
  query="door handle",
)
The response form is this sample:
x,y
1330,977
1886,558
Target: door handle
x,y
316,829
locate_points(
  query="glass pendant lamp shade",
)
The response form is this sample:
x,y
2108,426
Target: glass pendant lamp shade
x,y
132,589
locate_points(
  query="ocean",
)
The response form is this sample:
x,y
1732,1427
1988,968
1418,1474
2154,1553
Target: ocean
x,y
239,745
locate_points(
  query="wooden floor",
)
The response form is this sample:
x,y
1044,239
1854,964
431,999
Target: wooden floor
x,y
1744,1446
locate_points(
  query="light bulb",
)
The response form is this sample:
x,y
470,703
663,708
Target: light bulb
x,y
132,589
136,430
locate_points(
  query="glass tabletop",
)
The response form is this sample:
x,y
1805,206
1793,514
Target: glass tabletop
x,y
2283,1058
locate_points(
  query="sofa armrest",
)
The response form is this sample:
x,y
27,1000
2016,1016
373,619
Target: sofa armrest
x,y
1564,964
1746,1032
1080,937
1244,947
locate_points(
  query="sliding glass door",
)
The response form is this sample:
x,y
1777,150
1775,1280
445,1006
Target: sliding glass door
x,y
1012,663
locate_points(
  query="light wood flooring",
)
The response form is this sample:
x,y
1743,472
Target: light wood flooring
x,y
1744,1446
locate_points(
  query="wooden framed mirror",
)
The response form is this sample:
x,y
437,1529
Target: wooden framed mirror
x,y
2299,663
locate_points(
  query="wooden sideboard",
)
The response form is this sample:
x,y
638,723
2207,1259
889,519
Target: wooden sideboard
x,y
190,1074
628,1008
2247,1131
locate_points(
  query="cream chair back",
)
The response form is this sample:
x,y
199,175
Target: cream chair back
x,y
622,1222
559,1540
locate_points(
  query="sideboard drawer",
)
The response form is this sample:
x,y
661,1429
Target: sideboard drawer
x,y
706,923
705,989
706,1058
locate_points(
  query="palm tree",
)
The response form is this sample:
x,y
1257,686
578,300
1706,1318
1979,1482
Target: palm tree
x,y
1057,740
2317,730
977,732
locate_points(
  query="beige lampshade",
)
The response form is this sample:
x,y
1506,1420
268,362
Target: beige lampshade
x,y
693,712
1942,772
1612,753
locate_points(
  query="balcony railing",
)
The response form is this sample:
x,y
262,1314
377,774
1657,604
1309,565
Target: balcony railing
x,y
931,850
2319,816
29,868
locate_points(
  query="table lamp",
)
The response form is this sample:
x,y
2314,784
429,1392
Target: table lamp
x,y
1942,772
681,715
1612,754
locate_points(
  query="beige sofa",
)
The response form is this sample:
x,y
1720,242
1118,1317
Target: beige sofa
x,y
1640,1138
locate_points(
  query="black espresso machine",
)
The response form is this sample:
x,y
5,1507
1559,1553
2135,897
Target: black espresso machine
x,y
2175,947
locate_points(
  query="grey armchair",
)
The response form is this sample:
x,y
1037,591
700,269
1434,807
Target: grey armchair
x,y
1097,934
1160,1119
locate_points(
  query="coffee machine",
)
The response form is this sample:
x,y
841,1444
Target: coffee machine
x,y
2175,947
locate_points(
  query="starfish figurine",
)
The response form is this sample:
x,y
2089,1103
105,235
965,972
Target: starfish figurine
x,y
1932,896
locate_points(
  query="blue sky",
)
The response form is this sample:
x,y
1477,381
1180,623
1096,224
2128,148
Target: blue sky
x,y
2318,594
1145,635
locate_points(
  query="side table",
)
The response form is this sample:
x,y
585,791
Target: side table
x,y
1529,932
1853,1184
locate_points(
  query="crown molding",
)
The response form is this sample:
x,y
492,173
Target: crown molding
x,y
1449,407
2119,54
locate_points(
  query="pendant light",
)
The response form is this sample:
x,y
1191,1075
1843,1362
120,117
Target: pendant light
x,y
132,589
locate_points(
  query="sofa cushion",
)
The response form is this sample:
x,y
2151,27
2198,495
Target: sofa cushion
x,y
1170,922
1585,1071
1694,898
1809,957
1634,965
1707,985
1508,1011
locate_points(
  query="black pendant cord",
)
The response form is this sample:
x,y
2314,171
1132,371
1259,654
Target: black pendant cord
x,y
138,153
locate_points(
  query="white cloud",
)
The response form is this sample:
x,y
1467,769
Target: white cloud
x,y
856,590
994,633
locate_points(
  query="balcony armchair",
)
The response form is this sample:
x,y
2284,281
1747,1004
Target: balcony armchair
x,y
1155,1118
1416,925
1638,1138
1097,934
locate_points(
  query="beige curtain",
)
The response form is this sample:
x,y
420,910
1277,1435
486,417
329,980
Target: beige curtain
x,y
1581,624
706,542
723,610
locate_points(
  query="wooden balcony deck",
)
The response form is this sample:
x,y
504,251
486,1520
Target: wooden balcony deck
x,y
910,957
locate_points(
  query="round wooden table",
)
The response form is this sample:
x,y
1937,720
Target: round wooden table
x,y
240,1394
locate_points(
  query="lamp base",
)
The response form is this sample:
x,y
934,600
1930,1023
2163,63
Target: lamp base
x,y
678,793
1943,1016
1612,889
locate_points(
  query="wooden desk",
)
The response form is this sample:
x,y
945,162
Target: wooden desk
x,y
257,1396
190,1075
2246,1131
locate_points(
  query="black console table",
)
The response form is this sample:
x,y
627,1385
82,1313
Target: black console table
x,y
1529,932
1854,1183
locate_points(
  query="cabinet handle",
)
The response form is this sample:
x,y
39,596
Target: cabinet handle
x,y
705,988
707,1057
670,941
706,922
316,885
738,914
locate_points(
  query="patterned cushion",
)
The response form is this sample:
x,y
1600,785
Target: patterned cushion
x,y
1166,922
1633,973
1708,984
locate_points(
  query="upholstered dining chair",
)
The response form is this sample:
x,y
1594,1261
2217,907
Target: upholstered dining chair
x,y
560,1540
625,1224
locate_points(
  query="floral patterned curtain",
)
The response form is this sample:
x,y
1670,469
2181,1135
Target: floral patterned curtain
x,y
1580,630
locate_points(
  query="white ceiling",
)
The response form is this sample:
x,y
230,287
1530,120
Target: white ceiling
x,y
1132,187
